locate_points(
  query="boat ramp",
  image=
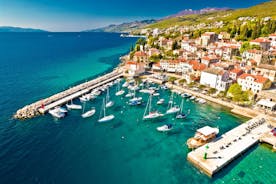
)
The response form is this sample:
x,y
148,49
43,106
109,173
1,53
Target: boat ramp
x,y
42,106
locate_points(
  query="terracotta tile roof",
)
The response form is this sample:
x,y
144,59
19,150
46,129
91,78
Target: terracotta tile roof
x,y
236,71
140,53
257,78
197,66
157,64
273,34
260,40
131,63
215,71
252,61
254,51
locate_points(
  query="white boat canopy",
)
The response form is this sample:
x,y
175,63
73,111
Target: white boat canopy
x,y
206,131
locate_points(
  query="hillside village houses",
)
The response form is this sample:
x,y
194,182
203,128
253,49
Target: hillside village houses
x,y
212,60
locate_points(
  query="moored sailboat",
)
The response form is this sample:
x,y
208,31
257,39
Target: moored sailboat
x,y
149,114
119,91
109,103
103,116
182,115
171,107
88,113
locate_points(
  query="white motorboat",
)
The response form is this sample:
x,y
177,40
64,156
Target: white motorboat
x,y
164,87
146,91
201,101
173,110
129,95
73,106
165,128
155,94
62,109
96,92
171,107
57,113
160,101
84,98
149,114
192,97
103,116
125,85
136,101
133,88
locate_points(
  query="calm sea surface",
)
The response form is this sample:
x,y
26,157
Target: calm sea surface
x,y
75,150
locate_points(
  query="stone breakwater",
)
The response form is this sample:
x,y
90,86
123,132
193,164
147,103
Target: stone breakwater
x,y
32,110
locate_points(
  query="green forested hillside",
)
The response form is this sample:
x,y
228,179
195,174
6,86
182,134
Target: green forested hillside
x,y
242,24
267,9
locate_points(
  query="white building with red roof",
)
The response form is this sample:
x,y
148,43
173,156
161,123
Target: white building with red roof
x,y
235,73
215,78
255,83
262,42
140,56
254,54
134,68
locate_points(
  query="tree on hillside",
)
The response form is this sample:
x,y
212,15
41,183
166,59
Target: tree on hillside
x,y
141,41
236,93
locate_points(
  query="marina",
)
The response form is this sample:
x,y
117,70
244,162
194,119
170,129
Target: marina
x,y
43,106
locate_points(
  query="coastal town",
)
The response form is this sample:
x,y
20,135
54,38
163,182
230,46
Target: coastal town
x,y
236,71
212,64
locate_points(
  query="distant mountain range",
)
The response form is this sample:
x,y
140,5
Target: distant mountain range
x,y
124,27
131,26
19,29
201,11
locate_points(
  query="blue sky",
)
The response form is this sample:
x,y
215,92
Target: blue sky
x,y
77,15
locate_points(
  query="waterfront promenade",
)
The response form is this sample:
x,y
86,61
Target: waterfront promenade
x,y
42,106
234,108
215,155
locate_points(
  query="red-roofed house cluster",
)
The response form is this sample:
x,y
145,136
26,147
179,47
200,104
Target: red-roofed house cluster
x,y
214,60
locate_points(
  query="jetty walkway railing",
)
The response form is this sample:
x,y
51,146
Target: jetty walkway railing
x,y
42,106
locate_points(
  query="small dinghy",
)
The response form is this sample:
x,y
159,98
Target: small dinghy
x,y
164,128
160,101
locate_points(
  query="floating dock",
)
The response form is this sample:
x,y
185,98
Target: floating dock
x,y
213,156
42,106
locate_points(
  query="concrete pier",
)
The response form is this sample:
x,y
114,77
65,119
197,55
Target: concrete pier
x,y
231,144
61,98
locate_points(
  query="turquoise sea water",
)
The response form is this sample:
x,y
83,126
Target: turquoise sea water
x,y
76,150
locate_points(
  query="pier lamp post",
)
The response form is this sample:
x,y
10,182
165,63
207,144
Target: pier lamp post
x,y
205,153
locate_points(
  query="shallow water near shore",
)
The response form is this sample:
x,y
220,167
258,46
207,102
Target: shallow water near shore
x,y
125,150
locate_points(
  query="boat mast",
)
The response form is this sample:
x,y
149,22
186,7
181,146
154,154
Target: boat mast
x,y
104,108
83,107
181,105
150,103
147,107
107,95
170,102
